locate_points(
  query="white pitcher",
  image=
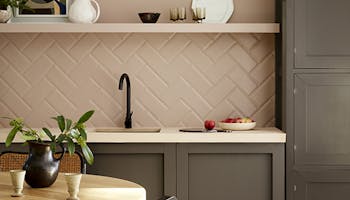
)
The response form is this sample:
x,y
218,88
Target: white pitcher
x,y
82,11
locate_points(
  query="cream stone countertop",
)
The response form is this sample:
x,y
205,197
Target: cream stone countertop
x,y
172,135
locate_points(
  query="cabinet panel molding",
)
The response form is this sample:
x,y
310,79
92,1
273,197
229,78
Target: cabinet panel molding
x,y
321,130
321,36
322,185
230,171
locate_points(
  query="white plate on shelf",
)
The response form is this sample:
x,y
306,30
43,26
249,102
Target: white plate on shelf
x,y
217,11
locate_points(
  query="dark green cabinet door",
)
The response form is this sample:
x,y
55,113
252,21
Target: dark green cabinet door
x,y
230,171
321,33
321,184
317,100
322,110
151,165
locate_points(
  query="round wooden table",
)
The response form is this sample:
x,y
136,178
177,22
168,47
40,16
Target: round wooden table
x,y
92,187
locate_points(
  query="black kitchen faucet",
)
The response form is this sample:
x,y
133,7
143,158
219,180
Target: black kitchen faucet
x,y
128,121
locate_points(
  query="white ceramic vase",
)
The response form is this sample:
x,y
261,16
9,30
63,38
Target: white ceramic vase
x,y
17,178
82,11
73,182
5,15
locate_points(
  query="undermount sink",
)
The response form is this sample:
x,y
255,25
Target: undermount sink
x,y
128,130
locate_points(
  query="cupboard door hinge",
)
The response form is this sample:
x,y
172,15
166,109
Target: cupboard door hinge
x,y
295,147
294,188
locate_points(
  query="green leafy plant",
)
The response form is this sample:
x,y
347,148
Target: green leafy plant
x,y
13,4
71,133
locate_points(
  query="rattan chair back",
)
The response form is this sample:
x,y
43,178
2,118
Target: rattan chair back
x,y
12,160
69,164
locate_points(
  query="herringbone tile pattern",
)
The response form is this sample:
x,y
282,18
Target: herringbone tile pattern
x,y
177,79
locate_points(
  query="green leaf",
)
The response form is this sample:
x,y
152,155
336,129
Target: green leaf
x,y
53,147
60,138
61,122
83,133
27,137
11,136
40,134
86,116
71,146
48,133
89,157
74,133
17,122
54,138
80,141
68,124
79,125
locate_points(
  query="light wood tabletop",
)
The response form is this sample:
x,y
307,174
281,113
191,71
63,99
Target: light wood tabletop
x,y
92,187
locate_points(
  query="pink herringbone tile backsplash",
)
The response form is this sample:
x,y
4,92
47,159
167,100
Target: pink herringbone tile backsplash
x,y
176,79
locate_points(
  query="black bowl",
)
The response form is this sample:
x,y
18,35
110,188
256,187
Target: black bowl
x,y
149,17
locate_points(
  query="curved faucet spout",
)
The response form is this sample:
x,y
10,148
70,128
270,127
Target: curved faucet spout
x,y
128,120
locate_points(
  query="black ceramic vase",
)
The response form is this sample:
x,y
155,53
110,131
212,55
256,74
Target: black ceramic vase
x,y
41,166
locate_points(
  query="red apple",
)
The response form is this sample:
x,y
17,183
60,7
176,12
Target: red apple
x,y
209,124
229,120
235,120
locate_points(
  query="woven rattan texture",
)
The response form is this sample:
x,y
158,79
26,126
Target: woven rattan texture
x,y
69,163
10,161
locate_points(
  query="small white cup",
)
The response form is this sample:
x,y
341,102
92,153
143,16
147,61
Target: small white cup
x,y
73,182
199,14
182,13
17,178
174,14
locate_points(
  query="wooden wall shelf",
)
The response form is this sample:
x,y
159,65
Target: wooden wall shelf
x,y
139,28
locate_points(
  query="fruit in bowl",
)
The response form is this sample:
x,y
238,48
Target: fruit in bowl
x,y
237,124
229,120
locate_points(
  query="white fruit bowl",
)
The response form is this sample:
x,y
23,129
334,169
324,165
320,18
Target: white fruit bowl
x,y
237,126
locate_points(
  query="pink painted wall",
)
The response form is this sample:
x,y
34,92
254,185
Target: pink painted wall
x,y
126,10
177,79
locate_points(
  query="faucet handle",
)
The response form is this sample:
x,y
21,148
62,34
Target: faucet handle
x,y
128,121
131,114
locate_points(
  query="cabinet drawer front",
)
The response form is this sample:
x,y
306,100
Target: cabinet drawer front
x,y
322,185
322,124
322,38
